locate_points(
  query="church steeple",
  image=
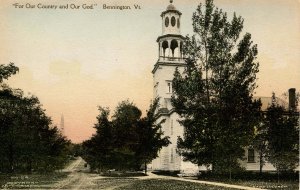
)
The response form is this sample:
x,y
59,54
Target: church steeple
x,y
170,58
171,41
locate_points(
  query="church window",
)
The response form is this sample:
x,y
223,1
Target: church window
x,y
169,87
173,21
165,46
174,45
167,21
251,155
178,23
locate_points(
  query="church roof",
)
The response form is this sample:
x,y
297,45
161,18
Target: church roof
x,y
170,35
267,101
171,8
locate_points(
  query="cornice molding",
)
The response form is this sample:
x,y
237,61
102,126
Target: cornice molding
x,y
168,64
171,35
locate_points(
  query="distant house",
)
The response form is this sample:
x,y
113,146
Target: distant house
x,y
252,160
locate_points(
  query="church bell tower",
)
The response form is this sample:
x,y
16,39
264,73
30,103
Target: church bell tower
x,y
170,57
169,54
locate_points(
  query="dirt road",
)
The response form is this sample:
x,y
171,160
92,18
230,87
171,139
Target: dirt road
x,y
79,178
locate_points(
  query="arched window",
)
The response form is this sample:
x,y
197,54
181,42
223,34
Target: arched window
x,y
174,45
178,23
173,21
165,45
167,21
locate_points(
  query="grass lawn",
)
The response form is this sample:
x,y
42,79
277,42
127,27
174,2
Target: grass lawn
x,y
264,184
30,181
289,181
165,184
284,185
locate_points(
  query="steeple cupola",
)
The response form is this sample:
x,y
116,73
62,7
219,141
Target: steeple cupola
x,y
171,20
171,41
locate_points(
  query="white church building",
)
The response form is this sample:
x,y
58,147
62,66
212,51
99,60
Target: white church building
x,y
170,57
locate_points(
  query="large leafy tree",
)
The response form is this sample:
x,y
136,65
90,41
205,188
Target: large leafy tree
x,y
125,121
98,150
214,94
28,140
127,141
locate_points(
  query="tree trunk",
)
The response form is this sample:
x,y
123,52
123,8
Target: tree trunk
x,y
206,72
230,168
261,162
11,159
29,165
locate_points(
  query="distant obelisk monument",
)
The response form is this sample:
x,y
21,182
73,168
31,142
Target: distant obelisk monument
x,y
62,124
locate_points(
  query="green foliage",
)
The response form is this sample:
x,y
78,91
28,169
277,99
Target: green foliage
x,y
28,142
7,70
214,95
96,150
75,149
127,141
282,136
